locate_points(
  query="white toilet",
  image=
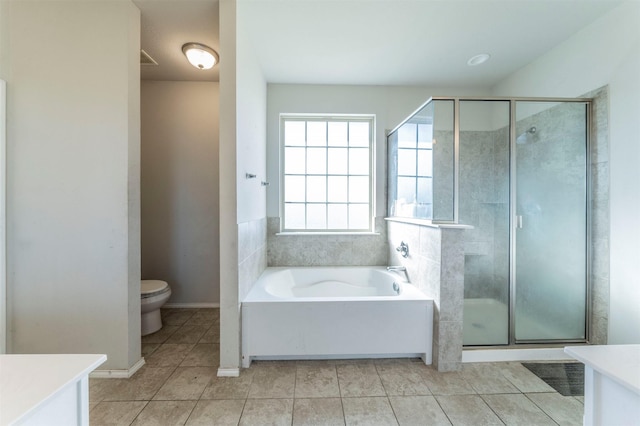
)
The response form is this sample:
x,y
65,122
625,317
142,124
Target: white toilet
x,y
153,294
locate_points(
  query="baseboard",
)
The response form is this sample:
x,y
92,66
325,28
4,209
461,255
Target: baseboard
x,y
228,372
496,355
191,305
117,374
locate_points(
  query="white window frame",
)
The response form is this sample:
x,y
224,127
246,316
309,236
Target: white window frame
x,y
367,118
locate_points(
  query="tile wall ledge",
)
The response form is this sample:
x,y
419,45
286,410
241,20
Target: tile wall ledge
x,y
427,222
326,233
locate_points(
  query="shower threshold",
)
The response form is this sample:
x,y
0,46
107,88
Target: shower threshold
x,y
485,336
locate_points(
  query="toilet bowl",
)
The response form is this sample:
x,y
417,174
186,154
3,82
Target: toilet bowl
x,y
153,294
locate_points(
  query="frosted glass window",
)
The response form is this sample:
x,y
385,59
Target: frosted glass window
x,y
296,163
294,216
338,161
317,216
337,192
327,167
316,133
359,161
406,189
359,133
359,189
337,216
295,188
316,161
425,162
358,216
295,132
316,189
425,135
337,133
407,162
407,135
425,193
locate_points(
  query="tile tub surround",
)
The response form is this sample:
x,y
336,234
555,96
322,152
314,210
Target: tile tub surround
x,y
436,266
183,389
252,253
326,250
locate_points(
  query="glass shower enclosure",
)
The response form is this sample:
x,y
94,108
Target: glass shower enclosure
x,y
515,171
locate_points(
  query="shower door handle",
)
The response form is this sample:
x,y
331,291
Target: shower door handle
x,y
518,221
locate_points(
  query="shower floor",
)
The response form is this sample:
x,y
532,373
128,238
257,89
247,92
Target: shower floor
x,y
486,322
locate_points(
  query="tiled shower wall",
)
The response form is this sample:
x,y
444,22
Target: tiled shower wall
x,y
436,266
599,216
327,250
484,170
252,254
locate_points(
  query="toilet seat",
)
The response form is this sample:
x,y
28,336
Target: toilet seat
x,y
149,288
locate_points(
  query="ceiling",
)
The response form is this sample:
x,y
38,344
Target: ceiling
x,y
378,42
168,24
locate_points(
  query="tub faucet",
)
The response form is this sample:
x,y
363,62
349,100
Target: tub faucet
x,y
399,269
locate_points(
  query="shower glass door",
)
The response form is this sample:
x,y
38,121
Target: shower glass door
x,y
484,204
549,221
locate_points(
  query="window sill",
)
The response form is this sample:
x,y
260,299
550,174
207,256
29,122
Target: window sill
x,y
325,233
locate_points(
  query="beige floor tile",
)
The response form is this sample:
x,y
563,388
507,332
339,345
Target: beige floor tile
x,y
522,378
359,380
416,410
317,412
450,383
316,382
273,382
229,387
487,378
99,389
186,383
202,355
149,348
219,412
517,409
368,411
115,412
176,316
402,379
188,334
580,399
468,410
212,335
161,335
260,412
165,413
203,317
141,387
564,410
169,355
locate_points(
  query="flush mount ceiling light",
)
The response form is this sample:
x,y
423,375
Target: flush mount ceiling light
x,y
200,56
478,59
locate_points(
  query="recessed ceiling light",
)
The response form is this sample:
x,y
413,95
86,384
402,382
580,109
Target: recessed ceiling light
x,y
478,59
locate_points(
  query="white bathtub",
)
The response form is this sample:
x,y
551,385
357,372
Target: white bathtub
x,y
335,312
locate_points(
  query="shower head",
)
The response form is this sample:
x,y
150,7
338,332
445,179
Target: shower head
x,y
526,136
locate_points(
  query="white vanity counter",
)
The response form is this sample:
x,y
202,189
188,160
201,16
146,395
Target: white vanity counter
x,y
36,389
611,383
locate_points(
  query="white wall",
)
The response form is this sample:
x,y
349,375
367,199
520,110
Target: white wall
x,y
179,188
390,104
242,150
229,304
607,52
72,139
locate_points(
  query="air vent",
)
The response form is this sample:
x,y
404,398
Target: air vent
x,y
145,59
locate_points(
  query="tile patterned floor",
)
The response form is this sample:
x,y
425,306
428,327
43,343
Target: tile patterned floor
x,y
178,386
